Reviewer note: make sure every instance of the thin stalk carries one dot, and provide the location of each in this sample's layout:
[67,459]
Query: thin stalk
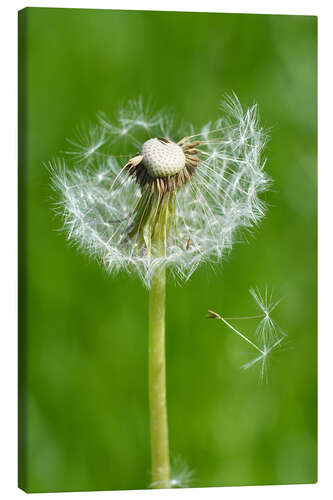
[157,383]
[241,335]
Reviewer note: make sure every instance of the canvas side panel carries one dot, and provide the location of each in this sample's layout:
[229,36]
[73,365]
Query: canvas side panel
[22,145]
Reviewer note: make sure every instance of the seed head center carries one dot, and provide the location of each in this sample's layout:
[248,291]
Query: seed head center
[162,157]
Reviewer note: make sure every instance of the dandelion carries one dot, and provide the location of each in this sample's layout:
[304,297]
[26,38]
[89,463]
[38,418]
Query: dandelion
[142,195]
[269,335]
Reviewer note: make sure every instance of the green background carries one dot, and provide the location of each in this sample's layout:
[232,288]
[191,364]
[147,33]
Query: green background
[83,335]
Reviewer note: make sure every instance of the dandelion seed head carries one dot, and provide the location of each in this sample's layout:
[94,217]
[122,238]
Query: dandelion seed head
[203,185]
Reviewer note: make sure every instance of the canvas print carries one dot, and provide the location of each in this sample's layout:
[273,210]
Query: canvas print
[167,260]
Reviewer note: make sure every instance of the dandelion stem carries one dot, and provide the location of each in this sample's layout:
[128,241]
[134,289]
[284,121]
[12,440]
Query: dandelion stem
[157,383]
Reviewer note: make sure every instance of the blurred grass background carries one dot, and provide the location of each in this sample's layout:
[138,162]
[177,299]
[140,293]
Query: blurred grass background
[83,335]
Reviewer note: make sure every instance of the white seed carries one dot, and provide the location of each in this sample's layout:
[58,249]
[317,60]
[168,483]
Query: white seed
[162,159]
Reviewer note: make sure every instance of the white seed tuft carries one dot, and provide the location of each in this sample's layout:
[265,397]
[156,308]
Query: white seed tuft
[99,198]
[270,336]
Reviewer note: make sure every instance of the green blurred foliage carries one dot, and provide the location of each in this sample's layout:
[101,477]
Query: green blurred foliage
[83,335]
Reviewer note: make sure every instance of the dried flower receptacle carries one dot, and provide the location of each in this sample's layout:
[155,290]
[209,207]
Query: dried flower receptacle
[160,170]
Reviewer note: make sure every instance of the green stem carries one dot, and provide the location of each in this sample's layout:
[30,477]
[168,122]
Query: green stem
[157,383]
